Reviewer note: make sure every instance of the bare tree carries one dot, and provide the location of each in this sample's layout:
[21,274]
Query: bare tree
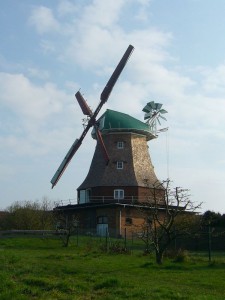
[66,225]
[167,218]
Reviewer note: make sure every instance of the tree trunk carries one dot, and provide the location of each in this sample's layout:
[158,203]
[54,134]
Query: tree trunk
[159,257]
[66,239]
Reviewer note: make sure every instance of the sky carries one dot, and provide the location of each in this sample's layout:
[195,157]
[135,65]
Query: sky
[51,49]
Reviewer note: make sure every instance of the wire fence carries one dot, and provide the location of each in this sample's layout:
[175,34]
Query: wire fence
[208,240]
[201,241]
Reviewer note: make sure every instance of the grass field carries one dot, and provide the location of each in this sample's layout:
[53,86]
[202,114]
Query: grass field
[34,268]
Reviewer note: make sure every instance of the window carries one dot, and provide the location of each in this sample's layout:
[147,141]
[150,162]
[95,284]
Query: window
[84,196]
[118,194]
[128,221]
[120,145]
[119,165]
[102,220]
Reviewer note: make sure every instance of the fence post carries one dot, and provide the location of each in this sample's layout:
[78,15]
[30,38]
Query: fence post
[77,234]
[147,239]
[106,239]
[125,238]
[209,241]
[175,240]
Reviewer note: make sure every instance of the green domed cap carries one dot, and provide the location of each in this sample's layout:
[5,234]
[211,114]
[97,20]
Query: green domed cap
[114,121]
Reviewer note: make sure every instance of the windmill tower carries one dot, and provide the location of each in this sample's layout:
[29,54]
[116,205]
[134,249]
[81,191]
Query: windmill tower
[128,176]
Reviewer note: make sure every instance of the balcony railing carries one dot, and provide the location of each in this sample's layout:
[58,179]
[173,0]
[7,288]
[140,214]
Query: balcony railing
[109,200]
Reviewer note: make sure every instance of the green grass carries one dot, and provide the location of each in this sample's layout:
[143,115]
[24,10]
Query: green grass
[33,268]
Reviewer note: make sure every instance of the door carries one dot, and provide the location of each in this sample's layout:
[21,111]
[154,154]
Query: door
[102,229]
[102,225]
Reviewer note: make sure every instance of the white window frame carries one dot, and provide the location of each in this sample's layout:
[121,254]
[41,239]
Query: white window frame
[118,194]
[119,165]
[120,145]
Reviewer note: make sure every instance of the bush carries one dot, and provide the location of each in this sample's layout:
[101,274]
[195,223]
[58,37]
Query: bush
[179,255]
[117,248]
[114,248]
[182,256]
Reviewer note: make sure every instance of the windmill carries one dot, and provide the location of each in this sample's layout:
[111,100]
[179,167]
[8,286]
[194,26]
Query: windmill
[153,114]
[91,117]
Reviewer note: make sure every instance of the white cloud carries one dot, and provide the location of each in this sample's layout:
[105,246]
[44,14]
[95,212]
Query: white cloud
[103,13]
[43,118]
[143,12]
[214,80]
[43,20]
[96,47]
[66,7]
[22,96]
[48,46]
[84,48]
[38,73]
[94,37]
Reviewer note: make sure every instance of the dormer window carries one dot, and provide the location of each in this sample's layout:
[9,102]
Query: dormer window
[120,145]
[119,165]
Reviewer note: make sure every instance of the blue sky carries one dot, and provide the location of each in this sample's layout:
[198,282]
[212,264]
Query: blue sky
[50,49]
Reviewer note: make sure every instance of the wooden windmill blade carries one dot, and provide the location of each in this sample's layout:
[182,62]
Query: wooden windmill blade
[92,117]
[65,162]
[83,104]
[103,147]
[87,111]
[113,79]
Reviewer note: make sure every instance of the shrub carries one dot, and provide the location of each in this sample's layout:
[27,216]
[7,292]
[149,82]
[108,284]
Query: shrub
[117,248]
[182,256]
